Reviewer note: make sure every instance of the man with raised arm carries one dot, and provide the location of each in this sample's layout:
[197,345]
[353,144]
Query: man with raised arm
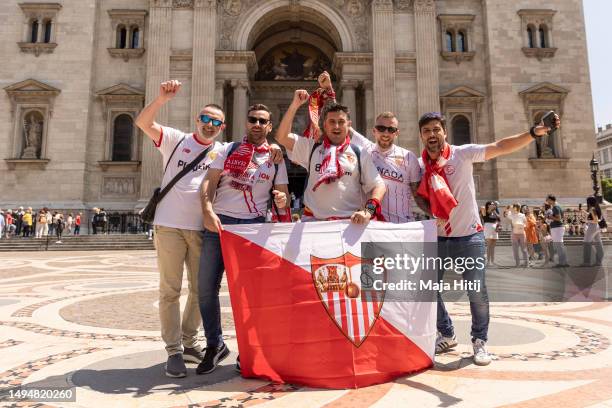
[178,223]
[343,182]
[448,185]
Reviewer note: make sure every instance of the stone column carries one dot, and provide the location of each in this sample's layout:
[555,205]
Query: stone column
[384,55]
[348,96]
[370,114]
[203,65]
[241,102]
[219,92]
[158,70]
[428,87]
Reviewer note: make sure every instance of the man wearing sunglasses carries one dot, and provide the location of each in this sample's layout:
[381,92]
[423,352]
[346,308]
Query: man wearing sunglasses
[236,190]
[398,167]
[178,223]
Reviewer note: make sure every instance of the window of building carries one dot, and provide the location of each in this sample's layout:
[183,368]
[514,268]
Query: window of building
[123,130]
[48,28]
[530,37]
[450,42]
[456,32]
[537,25]
[39,33]
[128,26]
[461,130]
[606,157]
[135,37]
[462,42]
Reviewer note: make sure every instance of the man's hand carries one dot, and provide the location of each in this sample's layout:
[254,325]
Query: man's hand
[276,153]
[169,89]
[361,217]
[325,81]
[542,130]
[280,199]
[212,222]
[300,97]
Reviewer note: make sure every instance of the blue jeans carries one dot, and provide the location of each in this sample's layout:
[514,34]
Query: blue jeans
[209,280]
[472,246]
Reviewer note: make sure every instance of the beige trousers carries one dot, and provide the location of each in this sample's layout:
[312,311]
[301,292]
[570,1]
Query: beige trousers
[176,248]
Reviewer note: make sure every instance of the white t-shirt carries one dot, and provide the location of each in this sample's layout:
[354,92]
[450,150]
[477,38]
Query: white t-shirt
[398,167]
[344,196]
[464,218]
[181,207]
[247,204]
[518,222]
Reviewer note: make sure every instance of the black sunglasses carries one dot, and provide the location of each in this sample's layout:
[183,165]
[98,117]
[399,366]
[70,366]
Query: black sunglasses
[383,129]
[253,120]
[207,119]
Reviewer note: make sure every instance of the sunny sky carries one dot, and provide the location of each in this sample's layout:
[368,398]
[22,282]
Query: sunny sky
[597,15]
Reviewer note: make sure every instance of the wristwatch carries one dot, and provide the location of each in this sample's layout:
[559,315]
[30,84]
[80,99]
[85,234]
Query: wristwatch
[371,207]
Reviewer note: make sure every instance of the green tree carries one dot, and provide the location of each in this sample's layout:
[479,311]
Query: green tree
[606,186]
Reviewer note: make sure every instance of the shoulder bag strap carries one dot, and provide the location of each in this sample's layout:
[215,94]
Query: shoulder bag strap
[183,172]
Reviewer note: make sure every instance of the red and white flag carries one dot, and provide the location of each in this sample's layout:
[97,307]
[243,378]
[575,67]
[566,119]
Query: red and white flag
[299,312]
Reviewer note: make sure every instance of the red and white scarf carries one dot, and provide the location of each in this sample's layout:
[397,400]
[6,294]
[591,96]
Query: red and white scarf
[240,166]
[316,102]
[331,170]
[434,187]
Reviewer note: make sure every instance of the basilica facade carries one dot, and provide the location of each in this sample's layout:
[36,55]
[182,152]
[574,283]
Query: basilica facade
[76,73]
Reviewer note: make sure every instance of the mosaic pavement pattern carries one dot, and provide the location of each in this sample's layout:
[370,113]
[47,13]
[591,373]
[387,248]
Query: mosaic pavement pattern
[89,321]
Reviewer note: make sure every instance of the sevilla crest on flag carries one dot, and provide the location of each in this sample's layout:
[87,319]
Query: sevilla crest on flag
[337,281]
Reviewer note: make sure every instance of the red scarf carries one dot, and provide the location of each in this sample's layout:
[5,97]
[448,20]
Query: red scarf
[331,170]
[316,101]
[238,164]
[434,187]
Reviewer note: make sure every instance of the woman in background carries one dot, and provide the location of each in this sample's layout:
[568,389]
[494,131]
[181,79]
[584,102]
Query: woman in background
[592,235]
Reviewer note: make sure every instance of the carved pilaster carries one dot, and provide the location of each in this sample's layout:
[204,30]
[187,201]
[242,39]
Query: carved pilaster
[384,52]
[241,102]
[158,70]
[203,63]
[427,56]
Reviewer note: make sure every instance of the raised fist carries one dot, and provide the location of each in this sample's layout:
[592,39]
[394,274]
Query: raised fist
[325,80]
[300,97]
[169,89]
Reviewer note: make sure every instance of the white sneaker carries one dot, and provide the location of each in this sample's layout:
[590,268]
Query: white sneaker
[481,356]
[444,344]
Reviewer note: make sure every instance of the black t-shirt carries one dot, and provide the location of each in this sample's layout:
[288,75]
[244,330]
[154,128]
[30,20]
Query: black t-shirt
[491,217]
[597,211]
[557,210]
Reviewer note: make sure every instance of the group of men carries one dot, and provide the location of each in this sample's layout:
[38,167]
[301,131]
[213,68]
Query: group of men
[349,177]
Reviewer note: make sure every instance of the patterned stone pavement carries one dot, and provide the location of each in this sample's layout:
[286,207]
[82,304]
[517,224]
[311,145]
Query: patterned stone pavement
[89,321]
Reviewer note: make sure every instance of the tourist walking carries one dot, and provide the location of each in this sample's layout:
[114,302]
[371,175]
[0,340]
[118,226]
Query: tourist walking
[592,234]
[518,222]
[491,220]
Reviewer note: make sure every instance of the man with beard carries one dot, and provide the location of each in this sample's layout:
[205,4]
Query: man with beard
[340,175]
[236,190]
[448,185]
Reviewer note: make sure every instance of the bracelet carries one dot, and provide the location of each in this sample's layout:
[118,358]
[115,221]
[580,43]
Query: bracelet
[372,206]
[532,132]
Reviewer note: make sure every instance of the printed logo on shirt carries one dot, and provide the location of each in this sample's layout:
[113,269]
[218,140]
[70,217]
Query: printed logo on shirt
[187,150]
[318,170]
[351,158]
[390,174]
[449,169]
[199,167]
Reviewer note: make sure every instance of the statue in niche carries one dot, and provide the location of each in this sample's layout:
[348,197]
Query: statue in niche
[545,145]
[33,128]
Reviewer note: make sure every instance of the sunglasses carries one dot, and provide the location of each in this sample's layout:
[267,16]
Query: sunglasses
[253,120]
[207,119]
[383,129]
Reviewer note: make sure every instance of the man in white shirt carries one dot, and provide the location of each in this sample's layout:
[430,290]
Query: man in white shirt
[236,190]
[178,223]
[340,175]
[398,167]
[448,184]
